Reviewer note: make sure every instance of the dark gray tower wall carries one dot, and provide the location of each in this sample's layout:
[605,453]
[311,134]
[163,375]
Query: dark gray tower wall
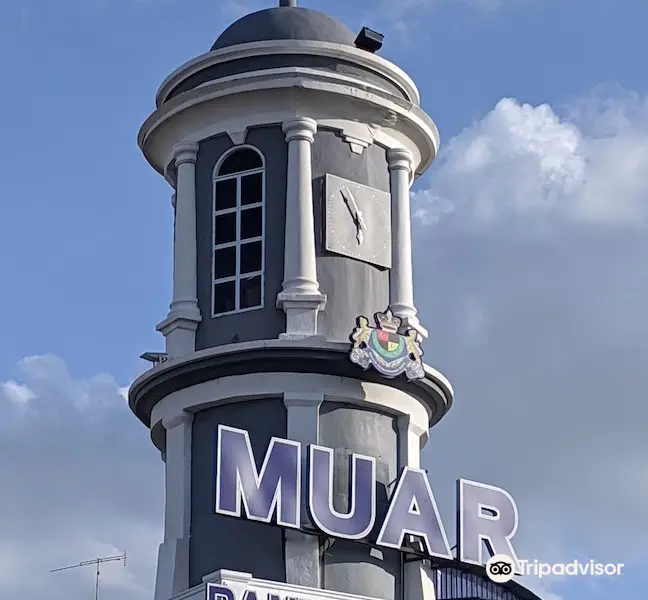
[221,542]
[353,287]
[348,566]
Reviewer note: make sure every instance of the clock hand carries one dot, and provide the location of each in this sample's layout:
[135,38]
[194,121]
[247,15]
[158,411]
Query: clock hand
[356,213]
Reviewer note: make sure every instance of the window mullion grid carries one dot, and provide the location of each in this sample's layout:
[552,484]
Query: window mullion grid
[239,174]
[238,242]
[237,302]
[263,233]
[213,252]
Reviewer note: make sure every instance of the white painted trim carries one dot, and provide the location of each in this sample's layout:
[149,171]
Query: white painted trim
[301,551]
[179,327]
[238,582]
[300,297]
[308,79]
[302,415]
[401,282]
[228,153]
[365,59]
[418,579]
[240,388]
[259,101]
[409,442]
[237,210]
[173,558]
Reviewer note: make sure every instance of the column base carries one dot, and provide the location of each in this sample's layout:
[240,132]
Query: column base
[179,330]
[301,313]
[172,568]
[419,581]
[302,554]
[409,320]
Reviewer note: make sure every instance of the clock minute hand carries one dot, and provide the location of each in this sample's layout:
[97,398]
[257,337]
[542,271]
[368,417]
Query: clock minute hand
[355,212]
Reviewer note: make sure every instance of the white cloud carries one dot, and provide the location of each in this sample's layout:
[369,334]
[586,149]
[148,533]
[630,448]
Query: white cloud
[81,480]
[16,392]
[590,166]
[533,286]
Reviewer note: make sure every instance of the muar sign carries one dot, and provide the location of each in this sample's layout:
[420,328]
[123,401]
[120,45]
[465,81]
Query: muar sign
[273,493]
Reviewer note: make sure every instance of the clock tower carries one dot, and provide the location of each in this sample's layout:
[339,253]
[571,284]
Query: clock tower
[291,146]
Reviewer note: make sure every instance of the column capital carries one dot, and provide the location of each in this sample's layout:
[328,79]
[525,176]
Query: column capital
[185,153]
[406,424]
[403,423]
[300,128]
[399,158]
[310,399]
[184,418]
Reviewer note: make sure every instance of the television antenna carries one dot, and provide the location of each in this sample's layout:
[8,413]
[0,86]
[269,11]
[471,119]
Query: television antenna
[97,562]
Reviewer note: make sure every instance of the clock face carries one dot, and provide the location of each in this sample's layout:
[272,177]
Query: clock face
[357,221]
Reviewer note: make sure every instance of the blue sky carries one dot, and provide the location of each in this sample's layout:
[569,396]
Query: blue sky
[534,217]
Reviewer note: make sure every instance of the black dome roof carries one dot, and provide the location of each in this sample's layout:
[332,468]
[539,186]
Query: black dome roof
[285,23]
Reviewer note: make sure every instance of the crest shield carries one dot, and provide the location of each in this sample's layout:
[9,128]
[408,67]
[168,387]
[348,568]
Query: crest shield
[390,351]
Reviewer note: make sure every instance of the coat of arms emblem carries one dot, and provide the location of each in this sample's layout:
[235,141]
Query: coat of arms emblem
[389,351]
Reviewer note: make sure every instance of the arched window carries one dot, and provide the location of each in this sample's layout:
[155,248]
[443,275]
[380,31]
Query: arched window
[238,232]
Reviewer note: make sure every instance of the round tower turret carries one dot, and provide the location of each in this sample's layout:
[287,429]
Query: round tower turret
[291,150]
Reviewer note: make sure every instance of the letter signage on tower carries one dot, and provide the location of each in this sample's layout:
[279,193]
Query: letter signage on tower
[272,494]
[359,521]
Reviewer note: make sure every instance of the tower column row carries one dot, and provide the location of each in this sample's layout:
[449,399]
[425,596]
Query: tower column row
[179,328]
[300,297]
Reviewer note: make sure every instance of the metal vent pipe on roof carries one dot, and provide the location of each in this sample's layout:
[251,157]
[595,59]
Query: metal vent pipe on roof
[287,2]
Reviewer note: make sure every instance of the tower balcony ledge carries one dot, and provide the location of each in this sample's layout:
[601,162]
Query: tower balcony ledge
[310,356]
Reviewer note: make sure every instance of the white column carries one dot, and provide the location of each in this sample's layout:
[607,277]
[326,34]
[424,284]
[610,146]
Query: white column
[300,297]
[179,328]
[173,556]
[418,577]
[401,288]
[301,551]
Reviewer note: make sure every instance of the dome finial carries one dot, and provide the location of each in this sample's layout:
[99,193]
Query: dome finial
[287,2]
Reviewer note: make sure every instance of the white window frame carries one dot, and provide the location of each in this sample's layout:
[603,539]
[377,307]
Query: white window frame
[237,277]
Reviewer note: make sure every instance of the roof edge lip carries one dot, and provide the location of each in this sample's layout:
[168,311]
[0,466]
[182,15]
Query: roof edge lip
[251,49]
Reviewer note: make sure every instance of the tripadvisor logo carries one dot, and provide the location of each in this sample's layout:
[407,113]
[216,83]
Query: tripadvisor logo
[501,568]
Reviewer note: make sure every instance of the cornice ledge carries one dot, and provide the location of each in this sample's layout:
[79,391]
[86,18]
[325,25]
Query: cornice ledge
[363,58]
[390,105]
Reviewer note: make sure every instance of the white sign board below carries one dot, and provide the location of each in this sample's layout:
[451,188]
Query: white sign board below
[232,585]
